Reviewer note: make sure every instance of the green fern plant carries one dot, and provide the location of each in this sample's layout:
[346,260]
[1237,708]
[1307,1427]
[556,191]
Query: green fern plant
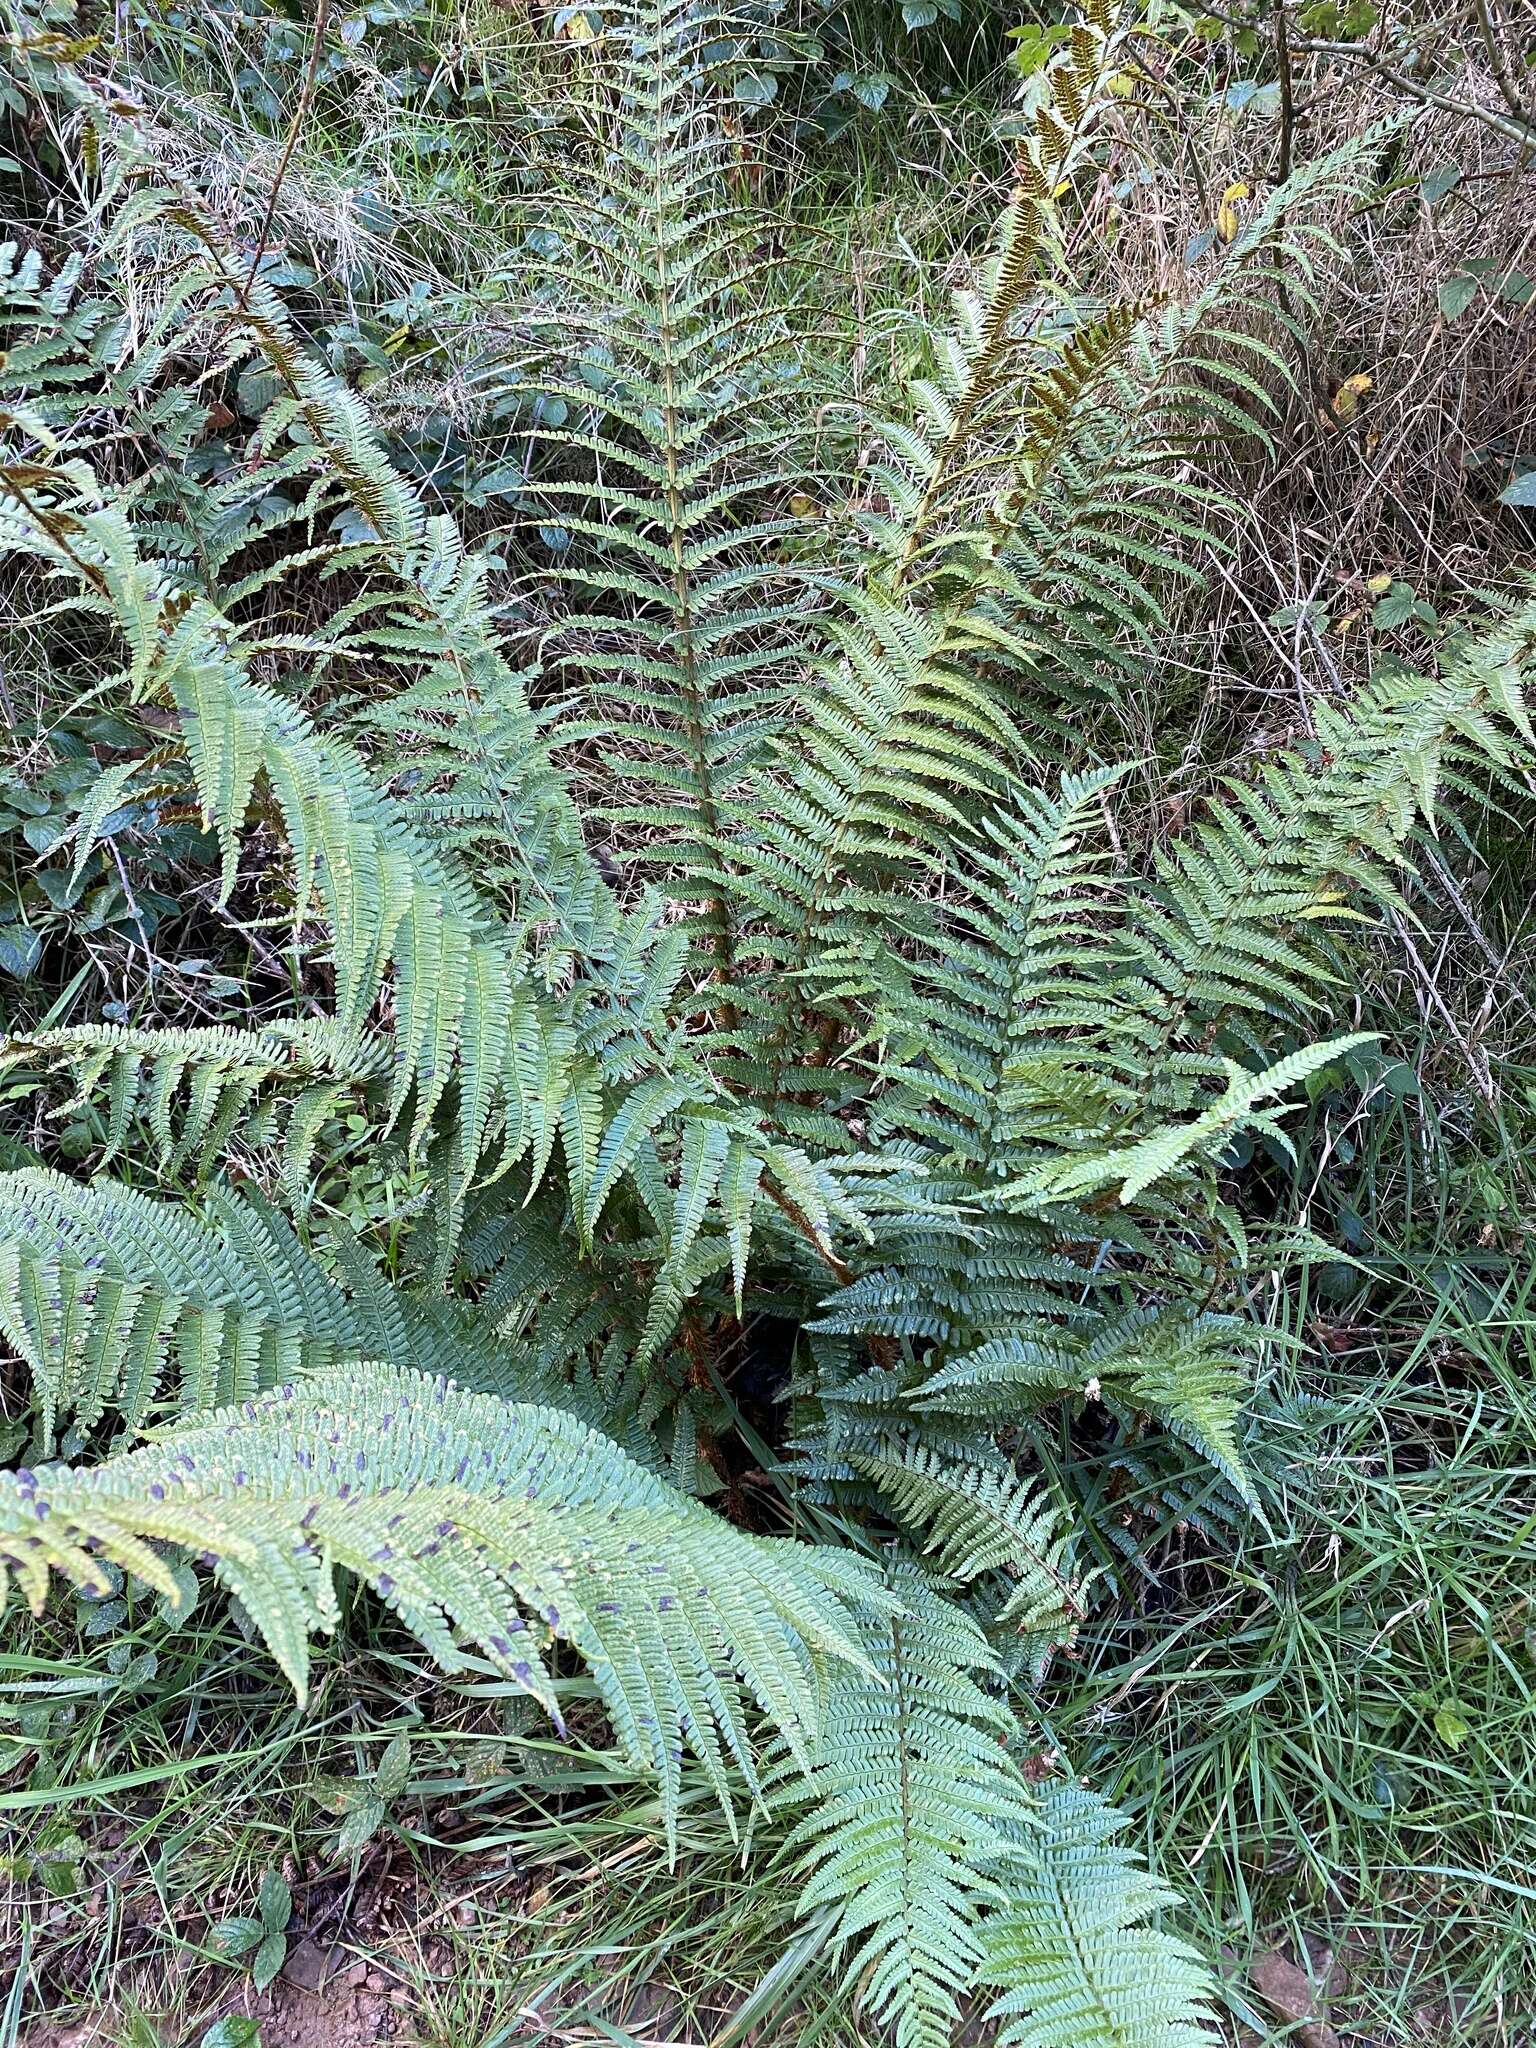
[855,997]
[914,1799]
[467,1515]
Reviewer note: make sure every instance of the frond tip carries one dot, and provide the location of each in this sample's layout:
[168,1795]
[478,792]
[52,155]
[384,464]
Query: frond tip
[486,1526]
[915,1803]
[1072,1955]
[949,1874]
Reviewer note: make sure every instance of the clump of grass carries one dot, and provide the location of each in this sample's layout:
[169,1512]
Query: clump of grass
[516,1881]
[1331,1731]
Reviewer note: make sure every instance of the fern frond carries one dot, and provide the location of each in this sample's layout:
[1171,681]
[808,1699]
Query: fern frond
[994,1026]
[1236,932]
[468,1011]
[979,1522]
[914,1802]
[1071,1953]
[486,1528]
[121,1303]
[683,414]
[1186,1366]
[196,1087]
[104,1290]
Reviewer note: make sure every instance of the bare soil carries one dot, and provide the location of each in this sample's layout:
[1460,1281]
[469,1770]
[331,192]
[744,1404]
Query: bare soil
[352,2006]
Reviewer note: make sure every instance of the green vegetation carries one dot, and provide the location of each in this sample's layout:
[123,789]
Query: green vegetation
[764,1099]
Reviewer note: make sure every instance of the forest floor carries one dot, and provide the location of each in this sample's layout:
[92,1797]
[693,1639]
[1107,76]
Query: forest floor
[457,1958]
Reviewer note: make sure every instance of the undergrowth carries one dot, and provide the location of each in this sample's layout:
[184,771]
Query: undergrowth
[724,1191]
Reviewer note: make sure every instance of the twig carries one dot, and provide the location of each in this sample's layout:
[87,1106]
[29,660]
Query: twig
[1516,128]
[802,1223]
[1519,131]
[53,525]
[1476,1059]
[1287,96]
[1500,69]
[1498,961]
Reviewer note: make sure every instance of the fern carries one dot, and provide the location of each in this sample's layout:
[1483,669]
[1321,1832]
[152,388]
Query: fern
[465,1516]
[471,1010]
[944,1870]
[980,1522]
[1058,1029]
[104,1290]
[1235,932]
[1071,1953]
[194,1089]
[739,914]
[668,375]
[914,1801]
[124,1305]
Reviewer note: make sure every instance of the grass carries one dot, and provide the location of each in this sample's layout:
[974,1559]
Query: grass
[1324,1717]
[516,1878]
[1328,1732]
[1327,1735]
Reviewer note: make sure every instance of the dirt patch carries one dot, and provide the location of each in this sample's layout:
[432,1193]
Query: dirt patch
[341,2014]
[333,2018]
[326,1997]
[336,1988]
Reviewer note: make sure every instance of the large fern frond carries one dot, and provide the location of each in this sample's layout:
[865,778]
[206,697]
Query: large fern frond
[1236,934]
[122,1305]
[194,1089]
[914,1799]
[667,415]
[946,1871]
[489,1529]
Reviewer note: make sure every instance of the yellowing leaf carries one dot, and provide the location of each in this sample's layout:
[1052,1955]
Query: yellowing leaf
[1451,1725]
[1227,218]
[1346,400]
[1378,586]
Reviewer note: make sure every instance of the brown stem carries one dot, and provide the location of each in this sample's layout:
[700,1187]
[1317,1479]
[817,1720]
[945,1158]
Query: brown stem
[1287,94]
[1500,69]
[290,143]
[797,1216]
[56,532]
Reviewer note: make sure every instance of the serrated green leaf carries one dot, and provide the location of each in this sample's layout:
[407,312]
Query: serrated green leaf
[268,1959]
[235,1936]
[274,1901]
[361,1825]
[394,1768]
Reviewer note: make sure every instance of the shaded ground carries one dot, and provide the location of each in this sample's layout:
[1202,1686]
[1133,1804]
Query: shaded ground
[347,2013]
[402,1991]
